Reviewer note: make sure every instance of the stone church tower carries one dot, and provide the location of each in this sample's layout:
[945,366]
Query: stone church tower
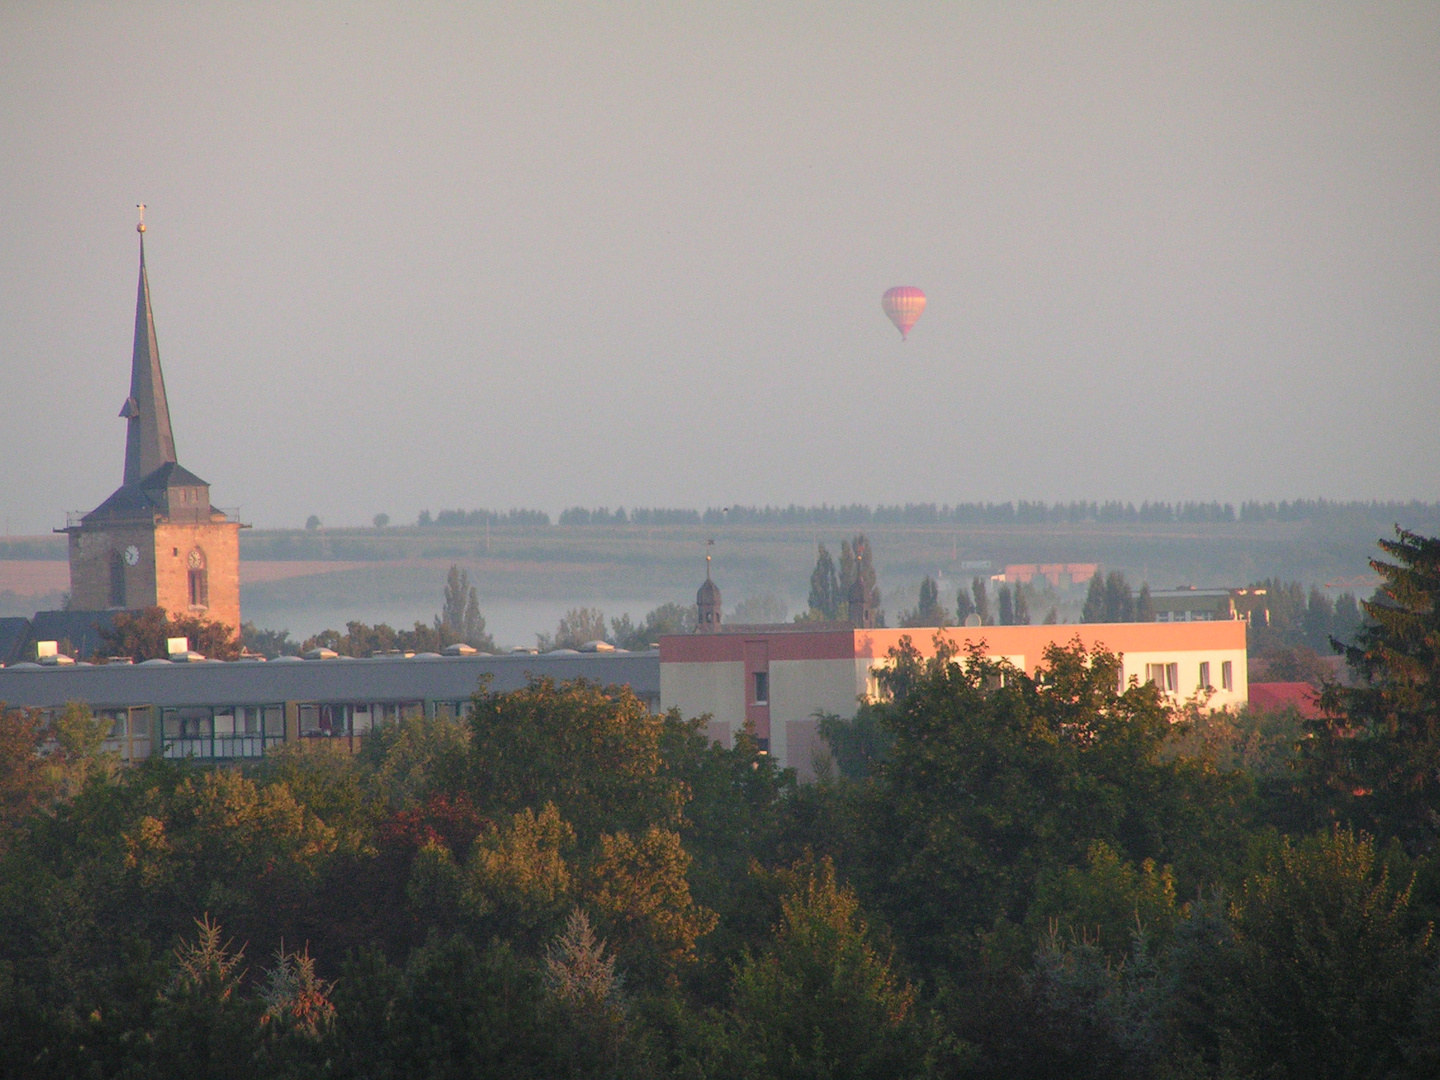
[156,540]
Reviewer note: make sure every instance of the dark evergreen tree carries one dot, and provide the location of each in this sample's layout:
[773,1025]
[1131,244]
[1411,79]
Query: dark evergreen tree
[1347,618]
[1006,606]
[1022,606]
[964,606]
[1377,747]
[1094,609]
[1144,606]
[1319,619]
[460,618]
[1119,603]
[928,612]
[982,600]
[848,566]
[826,597]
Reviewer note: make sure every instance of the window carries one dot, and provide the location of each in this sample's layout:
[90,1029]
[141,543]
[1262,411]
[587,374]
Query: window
[324,720]
[1227,675]
[199,580]
[1164,676]
[1204,675]
[360,719]
[117,579]
[762,687]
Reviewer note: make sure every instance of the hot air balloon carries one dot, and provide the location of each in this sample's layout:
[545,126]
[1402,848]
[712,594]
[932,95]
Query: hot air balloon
[903,304]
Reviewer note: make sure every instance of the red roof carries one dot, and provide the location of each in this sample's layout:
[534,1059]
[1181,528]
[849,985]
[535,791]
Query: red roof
[1272,696]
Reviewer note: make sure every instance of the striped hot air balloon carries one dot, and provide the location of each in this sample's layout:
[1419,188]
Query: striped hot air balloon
[903,304]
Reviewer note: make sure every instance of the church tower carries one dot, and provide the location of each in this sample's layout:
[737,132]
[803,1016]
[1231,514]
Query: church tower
[156,540]
[707,603]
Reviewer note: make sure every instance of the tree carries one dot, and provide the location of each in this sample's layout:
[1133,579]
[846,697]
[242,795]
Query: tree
[362,640]
[1347,618]
[44,761]
[1022,605]
[1327,966]
[1119,603]
[146,635]
[638,890]
[1094,608]
[204,1026]
[1144,605]
[821,1000]
[381,520]
[577,627]
[964,606]
[928,612]
[1106,902]
[764,609]
[1319,619]
[460,618]
[826,597]
[1377,746]
[1108,599]
[1006,605]
[982,600]
[1045,768]
[665,619]
[312,522]
[267,643]
[592,751]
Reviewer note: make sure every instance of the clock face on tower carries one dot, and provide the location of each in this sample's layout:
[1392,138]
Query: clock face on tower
[195,560]
[132,554]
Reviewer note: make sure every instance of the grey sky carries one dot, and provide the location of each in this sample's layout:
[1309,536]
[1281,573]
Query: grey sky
[540,255]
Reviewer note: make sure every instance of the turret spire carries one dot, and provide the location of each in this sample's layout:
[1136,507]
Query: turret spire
[149,442]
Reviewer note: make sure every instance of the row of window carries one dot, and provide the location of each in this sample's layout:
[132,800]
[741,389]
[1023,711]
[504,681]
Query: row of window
[1167,676]
[247,731]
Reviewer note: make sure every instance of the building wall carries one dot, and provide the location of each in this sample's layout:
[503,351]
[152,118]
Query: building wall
[829,671]
[800,688]
[162,574]
[220,541]
[90,552]
[714,688]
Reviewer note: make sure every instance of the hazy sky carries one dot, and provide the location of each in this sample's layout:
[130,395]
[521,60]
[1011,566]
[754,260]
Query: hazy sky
[539,255]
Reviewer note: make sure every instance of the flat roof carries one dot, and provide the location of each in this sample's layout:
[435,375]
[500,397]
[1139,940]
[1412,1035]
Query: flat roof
[378,679]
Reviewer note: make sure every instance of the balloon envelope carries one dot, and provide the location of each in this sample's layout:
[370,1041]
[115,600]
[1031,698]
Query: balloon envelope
[903,304]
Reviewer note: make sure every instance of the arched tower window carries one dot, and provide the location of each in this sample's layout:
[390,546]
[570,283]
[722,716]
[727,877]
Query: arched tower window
[199,579]
[117,580]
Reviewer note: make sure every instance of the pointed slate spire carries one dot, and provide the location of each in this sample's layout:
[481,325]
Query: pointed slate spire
[149,442]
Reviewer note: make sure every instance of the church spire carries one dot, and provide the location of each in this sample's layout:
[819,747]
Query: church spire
[149,442]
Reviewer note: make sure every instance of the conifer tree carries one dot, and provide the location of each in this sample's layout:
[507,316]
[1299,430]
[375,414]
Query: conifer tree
[1119,603]
[1022,606]
[982,600]
[1144,605]
[1377,749]
[1094,609]
[825,593]
[1007,606]
[964,606]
